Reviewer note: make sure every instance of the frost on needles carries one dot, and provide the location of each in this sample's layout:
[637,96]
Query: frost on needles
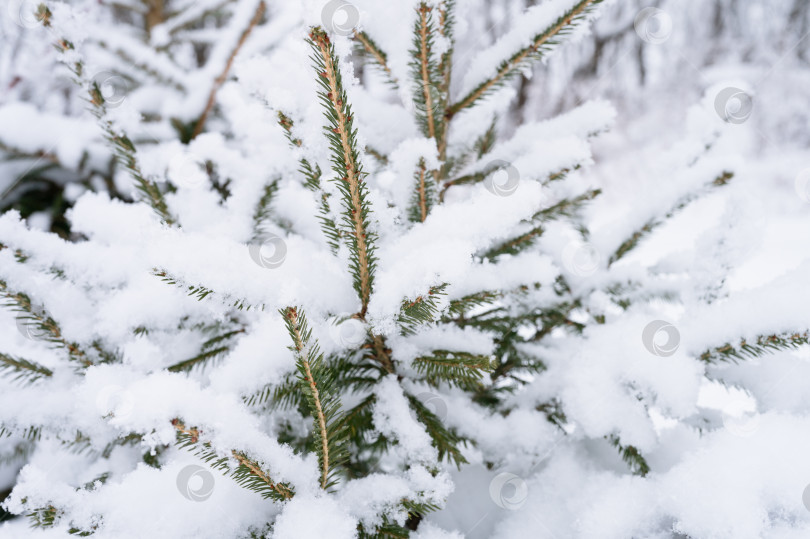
[357,300]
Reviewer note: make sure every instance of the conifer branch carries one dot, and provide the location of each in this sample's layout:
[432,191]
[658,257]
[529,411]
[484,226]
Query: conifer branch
[460,306]
[358,420]
[446,23]
[634,240]
[46,327]
[444,439]
[376,154]
[284,395]
[480,176]
[387,530]
[382,354]
[566,207]
[764,344]
[220,80]
[459,369]
[248,473]
[22,369]
[631,456]
[317,384]
[421,310]
[514,245]
[424,194]
[426,74]
[312,180]
[347,167]
[201,292]
[209,351]
[262,211]
[123,147]
[379,56]
[541,44]
[125,152]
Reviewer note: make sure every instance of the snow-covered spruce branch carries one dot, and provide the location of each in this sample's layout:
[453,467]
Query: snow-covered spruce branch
[541,44]
[247,473]
[318,385]
[460,331]
[374,51]
[349,175]
[41,323]
[22,369]
[122,146]
[763,344]
[200,123]
[312,180]
[633,241]
[426,75]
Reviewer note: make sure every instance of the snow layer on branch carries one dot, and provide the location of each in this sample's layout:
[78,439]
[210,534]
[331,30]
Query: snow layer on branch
[445,243]
[737,486]
[368,496]
[394,419]
[67,138]
[445,337]
[129,503]
[587,120]
[398,177]
[308,516]
[509,273]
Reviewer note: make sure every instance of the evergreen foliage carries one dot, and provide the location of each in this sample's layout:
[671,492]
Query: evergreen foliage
[358,390]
